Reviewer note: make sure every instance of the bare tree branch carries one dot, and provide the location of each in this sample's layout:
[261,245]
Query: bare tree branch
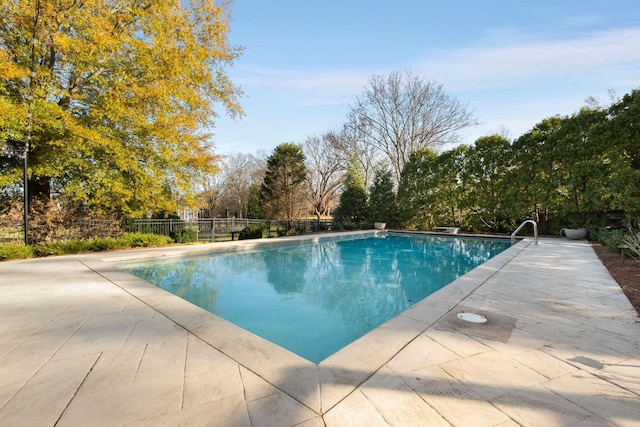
[325,171]
[400,113]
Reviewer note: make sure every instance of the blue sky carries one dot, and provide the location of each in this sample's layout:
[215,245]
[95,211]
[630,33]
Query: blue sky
[513,62]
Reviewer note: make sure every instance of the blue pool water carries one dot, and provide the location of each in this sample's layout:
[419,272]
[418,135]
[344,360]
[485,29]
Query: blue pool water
[315,297]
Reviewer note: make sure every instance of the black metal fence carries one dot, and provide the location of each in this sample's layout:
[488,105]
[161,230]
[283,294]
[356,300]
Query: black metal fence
[205,229]
[13,231]
[217,229]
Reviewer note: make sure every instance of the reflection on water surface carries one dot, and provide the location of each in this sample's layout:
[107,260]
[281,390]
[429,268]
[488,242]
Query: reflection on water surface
[316,297]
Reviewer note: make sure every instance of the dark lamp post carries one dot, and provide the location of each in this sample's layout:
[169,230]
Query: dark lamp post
[26,193]
[32,83]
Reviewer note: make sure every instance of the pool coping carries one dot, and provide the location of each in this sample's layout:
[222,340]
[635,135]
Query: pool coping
[317,386]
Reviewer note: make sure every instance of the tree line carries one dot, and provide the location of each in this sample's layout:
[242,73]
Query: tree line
[397,114]
[574,171]
[567,171]
[570,171]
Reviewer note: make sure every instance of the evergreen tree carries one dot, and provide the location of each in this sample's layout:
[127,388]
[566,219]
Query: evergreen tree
[254,206]
[486,176]
[282,193]
[352,209]
[382,199]
[623,133]
[417,190]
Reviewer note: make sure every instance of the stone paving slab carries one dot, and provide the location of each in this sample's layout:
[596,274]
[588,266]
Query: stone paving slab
[446,395]
[83,343]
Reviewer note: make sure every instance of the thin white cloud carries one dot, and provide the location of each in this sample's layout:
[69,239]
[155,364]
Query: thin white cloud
[611,55]
[502,65]
[304,80]
[306,88]
[581,21]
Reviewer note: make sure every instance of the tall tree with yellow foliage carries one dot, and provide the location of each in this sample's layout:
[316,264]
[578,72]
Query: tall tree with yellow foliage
[111,99]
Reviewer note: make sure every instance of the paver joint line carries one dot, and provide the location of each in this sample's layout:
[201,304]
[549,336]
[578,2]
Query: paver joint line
[77,389]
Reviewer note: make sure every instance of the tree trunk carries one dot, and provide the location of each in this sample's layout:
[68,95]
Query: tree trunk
[39,192]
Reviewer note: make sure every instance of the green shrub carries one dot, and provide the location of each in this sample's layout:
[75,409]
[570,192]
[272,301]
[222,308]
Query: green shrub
[49,250]
[15,251]
[251,232]
[608,237]
[184,235]
[74,246]
[98,244]
[66,247]
[145,240]
[319,226]
[345,225]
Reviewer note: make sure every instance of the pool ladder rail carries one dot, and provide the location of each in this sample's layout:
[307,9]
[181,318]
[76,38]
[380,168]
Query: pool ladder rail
[535,231]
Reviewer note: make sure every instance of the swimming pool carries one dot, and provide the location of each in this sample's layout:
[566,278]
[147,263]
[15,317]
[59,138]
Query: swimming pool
[315,297]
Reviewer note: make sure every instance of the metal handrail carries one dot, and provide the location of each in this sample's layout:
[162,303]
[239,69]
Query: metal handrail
[535,231]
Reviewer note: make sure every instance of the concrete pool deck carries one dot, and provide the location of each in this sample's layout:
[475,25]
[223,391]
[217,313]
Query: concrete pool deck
[84,343]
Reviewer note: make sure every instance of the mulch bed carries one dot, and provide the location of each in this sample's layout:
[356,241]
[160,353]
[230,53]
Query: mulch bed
[626,271]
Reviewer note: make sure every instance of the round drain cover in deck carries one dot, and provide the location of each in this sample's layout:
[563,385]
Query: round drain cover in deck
[472,317]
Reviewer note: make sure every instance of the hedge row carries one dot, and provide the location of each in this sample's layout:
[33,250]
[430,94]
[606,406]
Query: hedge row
[74,246]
